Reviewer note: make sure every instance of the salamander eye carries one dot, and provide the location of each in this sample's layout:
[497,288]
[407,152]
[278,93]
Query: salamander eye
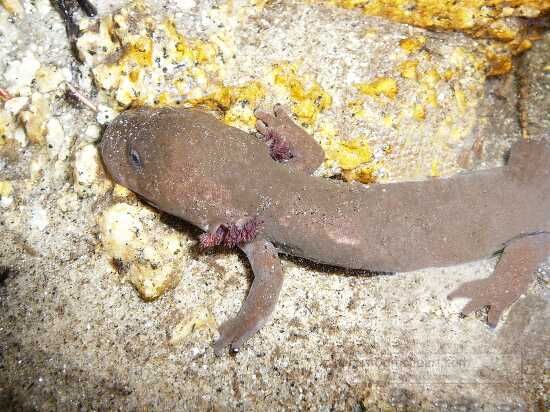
[135,159]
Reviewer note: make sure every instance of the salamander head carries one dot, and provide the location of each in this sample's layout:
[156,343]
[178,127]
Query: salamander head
[131,155]
[186,162]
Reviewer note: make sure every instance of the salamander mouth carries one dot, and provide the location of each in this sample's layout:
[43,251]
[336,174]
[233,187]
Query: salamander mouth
[112,164]
[104,153]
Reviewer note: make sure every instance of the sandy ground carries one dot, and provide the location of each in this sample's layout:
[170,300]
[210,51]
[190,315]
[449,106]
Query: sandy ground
[75,335]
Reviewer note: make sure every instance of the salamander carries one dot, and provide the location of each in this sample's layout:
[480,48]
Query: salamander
[257,193]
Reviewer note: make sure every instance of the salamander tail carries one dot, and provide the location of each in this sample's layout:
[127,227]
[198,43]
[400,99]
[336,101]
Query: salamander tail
[530,159]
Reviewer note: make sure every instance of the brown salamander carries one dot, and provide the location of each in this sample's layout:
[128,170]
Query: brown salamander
[265,201]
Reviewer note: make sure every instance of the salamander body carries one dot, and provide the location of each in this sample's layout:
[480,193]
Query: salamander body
[263,199]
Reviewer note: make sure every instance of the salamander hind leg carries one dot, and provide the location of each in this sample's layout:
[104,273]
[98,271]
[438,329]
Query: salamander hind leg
[511,278]
[261,300]
[288,142]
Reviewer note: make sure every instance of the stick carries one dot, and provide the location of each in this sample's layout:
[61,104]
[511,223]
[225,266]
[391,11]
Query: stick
[83,99]
[4,95]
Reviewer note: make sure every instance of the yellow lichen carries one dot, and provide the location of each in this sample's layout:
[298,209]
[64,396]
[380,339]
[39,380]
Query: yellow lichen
[356,107]
[237,102]
[6,194]
[407,69]
[418,111]
[140,51]
[448,74]
[327,130]
[412,44]
[435,169]
[307,96]
[447,91]
[380,86]
[205,52]
[431,97]
[6,188]
[219,99]
[121,191]
[244,99]
[353,157]
[429,81]
[348,154]
[524,45]
[431,77]
[13,6]
[460,98]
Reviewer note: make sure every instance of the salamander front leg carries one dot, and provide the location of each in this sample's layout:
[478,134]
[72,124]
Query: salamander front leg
[261,300]
[287,141]
[511,278]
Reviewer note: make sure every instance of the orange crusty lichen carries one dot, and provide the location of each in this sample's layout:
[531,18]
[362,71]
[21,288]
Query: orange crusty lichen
[481,18]
[498,63]
[491,19]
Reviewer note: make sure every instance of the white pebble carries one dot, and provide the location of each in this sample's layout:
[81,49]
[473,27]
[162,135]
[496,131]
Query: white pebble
[105,114]
[39,218]
[55,136]
[85,167]
[21,73]
[91,133]
[15,105]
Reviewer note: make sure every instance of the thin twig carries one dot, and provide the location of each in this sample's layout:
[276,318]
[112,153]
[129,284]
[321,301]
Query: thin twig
[4,95]
[83,99]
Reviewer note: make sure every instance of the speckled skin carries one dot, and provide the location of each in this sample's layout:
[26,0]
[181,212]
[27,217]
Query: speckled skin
[193,166]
